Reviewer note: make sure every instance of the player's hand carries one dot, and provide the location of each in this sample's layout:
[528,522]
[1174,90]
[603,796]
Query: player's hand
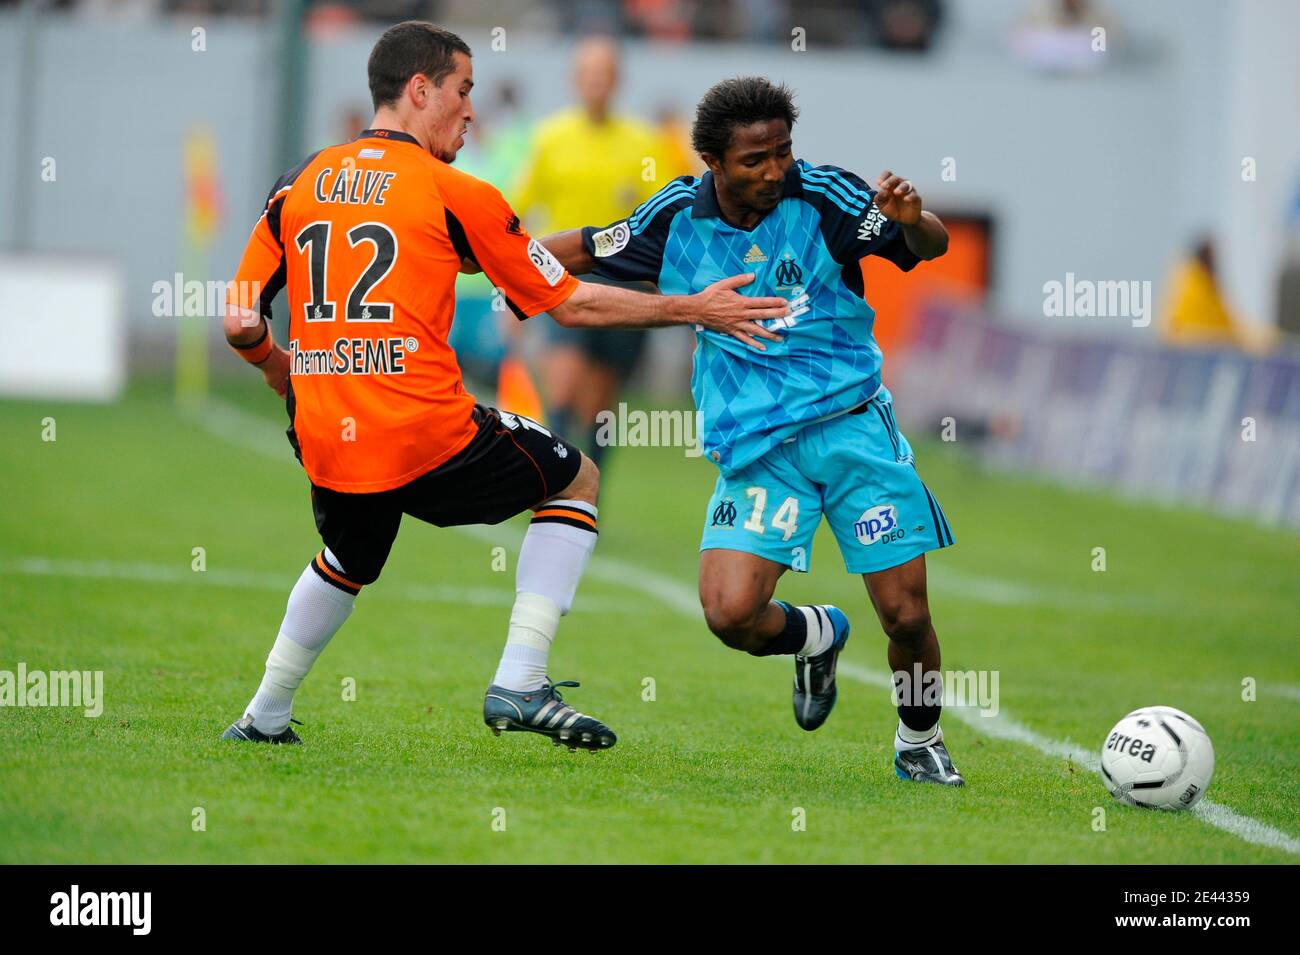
[897,199]
[722,309]
[275,369]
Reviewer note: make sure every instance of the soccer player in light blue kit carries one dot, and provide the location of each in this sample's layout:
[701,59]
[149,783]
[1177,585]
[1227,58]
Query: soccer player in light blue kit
[801,428]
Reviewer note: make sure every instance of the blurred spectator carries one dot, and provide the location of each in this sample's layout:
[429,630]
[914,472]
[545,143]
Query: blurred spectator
[588,166]
[761,21]
[1288,292]
[1195,312]
[502,137]
[905,25]
[241,8]
[119,11]
[660,19]
[354,121]
[679,157]
[579,17]
[1288,280]
[1064,36]
[485,334]
[330,18]
[326,17]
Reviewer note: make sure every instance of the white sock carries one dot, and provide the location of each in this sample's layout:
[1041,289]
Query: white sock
[820,632]
[559,541]
[533,623]
[554,555]
[907,738]
[315,612]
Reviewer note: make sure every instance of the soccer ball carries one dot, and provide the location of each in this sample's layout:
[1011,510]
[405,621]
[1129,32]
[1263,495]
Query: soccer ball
[1159,758]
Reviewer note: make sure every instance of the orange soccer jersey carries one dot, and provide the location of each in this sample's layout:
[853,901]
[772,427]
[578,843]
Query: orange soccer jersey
[368,237]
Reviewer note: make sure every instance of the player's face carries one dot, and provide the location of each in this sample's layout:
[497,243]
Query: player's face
[752,170]
[448,110]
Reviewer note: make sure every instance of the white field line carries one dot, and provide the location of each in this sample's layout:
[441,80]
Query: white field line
[672,593]
[667,590]
[258,434]
[1003,727]
[448,594]
[1006,593]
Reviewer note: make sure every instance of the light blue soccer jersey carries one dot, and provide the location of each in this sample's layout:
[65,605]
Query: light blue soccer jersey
[809,250]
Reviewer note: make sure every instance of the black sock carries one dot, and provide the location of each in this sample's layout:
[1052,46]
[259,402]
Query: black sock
[791,639]
[919,717]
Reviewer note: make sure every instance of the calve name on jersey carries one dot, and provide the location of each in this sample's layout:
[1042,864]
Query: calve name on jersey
[356,187]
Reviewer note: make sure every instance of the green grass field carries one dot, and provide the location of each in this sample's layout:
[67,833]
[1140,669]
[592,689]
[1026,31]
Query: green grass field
[97,533]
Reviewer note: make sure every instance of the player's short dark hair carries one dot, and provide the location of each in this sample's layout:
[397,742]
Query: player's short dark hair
[406,49]
[738,102]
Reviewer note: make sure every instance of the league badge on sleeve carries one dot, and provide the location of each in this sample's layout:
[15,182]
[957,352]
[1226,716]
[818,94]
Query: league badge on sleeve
[611,241]
[546,263]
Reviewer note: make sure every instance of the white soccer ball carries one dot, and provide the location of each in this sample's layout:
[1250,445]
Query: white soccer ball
[1157,757]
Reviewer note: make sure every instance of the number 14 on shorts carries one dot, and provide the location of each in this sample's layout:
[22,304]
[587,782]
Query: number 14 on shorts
[786,518]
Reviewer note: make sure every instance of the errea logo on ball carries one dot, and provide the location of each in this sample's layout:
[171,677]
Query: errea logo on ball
[879,523]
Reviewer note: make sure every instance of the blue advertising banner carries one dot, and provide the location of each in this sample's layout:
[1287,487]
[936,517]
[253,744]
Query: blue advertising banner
[1217,428]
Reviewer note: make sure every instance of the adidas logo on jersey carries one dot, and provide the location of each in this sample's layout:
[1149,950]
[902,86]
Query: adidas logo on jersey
[755,254]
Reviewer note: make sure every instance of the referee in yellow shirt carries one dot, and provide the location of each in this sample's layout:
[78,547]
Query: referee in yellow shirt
[587,165]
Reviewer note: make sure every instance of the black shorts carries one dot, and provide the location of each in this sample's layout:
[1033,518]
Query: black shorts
[511,464]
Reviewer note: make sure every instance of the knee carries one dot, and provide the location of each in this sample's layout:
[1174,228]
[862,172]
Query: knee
[354,571]
[733,620]
[586,485]
[906,621]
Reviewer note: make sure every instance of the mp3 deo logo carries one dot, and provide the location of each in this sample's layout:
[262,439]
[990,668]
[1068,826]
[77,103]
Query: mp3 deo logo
[879,523]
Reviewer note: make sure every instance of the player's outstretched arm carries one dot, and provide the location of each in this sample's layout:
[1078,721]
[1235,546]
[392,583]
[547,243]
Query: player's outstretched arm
[568,247]
[719,308]
[250,336]
[898,199]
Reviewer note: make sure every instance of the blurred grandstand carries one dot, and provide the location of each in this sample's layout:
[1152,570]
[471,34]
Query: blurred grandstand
[1065,143]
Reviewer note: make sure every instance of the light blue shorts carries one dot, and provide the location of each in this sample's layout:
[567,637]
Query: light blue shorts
[858,470]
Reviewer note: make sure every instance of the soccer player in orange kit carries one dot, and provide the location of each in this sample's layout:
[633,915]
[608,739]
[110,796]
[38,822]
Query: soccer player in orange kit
[367,237]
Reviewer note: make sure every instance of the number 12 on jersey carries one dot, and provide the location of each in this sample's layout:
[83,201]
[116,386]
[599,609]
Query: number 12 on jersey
[315,241]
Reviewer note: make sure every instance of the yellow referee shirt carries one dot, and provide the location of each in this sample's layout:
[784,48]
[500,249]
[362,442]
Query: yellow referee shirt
[583,173]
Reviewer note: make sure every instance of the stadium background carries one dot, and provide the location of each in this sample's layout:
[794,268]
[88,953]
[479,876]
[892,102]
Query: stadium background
[145,137]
